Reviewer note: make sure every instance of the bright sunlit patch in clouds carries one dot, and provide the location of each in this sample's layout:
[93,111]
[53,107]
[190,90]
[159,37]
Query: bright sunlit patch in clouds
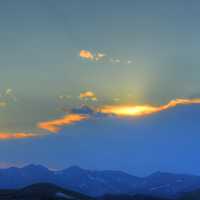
[88,95]
[141,110]
[124,110]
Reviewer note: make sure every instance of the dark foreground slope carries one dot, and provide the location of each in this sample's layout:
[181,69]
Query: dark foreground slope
[47,191]
[42,191]
[131,197]
[194,195]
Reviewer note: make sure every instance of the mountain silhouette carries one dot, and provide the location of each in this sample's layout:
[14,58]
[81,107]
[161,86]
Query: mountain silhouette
[99,183]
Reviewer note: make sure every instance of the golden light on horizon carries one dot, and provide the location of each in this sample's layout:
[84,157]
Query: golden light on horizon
[142,110]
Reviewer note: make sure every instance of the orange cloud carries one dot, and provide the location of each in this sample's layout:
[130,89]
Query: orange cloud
[88,95]
[90,56]
[86,54]
[141,110]
[8,136]
[55,125]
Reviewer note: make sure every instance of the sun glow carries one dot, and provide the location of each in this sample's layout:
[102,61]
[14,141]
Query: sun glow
[122,110]
[142,110]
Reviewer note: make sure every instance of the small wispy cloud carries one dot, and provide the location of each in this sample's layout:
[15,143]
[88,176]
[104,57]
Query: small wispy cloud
[7,96]
[9,136]
[115,60]
[88,95]
[65,97]
[129,62]
[9,93]
[99,56]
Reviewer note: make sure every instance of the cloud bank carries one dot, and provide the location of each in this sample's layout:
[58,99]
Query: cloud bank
[85,112]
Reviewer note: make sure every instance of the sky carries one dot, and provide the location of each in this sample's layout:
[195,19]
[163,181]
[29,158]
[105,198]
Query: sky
[104,84]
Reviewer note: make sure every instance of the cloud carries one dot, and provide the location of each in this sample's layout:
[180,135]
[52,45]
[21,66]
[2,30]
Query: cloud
[9,93]
[9,136]
[91,56]
[99,56]
[65,97]
[129,62]
[88,95]
[142,110]
[55,125]
[6,96]
[85,112]
[115,60]
[86,54]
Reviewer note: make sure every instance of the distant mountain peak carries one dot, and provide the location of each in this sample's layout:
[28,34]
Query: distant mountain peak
[35,167]
[74,167]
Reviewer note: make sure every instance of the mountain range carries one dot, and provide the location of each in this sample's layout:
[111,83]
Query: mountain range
[100,183]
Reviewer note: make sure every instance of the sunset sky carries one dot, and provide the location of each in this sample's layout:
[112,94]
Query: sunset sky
[100,84]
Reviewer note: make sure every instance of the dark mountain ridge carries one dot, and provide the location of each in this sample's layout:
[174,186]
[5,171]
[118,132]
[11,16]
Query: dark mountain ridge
[42,191]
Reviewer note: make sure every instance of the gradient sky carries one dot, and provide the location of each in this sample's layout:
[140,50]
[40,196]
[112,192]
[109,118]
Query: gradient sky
[56,56]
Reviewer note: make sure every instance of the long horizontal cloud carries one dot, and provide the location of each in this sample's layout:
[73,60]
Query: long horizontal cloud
[141,110]
[55,125]
[7,136]
[84,113]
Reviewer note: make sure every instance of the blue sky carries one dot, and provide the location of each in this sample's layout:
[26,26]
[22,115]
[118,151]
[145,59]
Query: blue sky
[140,53]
